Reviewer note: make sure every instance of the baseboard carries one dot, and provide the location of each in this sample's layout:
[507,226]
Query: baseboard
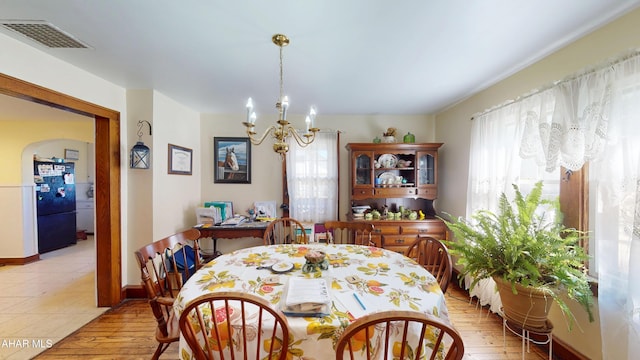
[20,261]
[134,292]
[561,350]
[564,351]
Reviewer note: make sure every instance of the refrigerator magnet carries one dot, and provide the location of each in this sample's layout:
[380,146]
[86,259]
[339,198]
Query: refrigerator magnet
[69,179]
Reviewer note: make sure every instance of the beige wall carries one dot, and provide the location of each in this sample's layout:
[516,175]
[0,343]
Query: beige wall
[266,182]
[453,128]
[160,203]
[29,64]
[171,197]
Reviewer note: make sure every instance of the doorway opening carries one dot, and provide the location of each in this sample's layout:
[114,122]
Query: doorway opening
[107,179]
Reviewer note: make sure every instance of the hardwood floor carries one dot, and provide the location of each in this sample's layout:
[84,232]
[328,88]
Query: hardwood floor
[127,332]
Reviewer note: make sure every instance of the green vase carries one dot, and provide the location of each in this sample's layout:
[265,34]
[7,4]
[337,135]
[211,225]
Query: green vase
[409,138]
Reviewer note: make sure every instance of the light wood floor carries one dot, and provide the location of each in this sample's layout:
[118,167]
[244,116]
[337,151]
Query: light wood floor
[43,302]
[127,332]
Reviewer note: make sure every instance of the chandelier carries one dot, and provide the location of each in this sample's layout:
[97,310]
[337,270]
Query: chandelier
[283,129]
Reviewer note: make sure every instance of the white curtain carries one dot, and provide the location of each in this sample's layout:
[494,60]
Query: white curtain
[572,129]
[312,178]
[616,230]
[496,162]
[594,116]
[499,148]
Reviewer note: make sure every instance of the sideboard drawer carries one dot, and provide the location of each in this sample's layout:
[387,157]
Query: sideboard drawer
[362,193]
[429,193]
[386,229]
[397,192]
[436,229]
[398,240]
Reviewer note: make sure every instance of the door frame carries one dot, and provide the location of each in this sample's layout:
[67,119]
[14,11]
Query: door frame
[107,179]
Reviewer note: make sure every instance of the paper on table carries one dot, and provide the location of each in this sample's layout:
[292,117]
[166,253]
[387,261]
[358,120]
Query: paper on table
[303,291]
[350,304]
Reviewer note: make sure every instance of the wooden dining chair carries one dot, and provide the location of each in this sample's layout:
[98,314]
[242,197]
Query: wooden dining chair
[285,231]
[226,322]
[434,256]
[391,335]
[163,276]
[349,232]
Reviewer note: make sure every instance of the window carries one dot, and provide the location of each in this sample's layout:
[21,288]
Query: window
[593,131]
[312,178]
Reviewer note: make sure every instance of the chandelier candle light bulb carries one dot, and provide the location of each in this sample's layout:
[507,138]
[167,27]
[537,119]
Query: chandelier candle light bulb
[285,106]
[251,116]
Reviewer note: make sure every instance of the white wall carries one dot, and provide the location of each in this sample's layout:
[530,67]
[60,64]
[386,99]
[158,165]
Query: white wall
[454,125]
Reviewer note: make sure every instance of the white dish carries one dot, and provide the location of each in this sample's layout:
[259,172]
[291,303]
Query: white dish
[282,267]
[360,209]
[387,178]
[388,160]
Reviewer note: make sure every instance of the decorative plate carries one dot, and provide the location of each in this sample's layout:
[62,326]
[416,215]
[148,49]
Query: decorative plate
[282,267]
[388,161]
[387,178]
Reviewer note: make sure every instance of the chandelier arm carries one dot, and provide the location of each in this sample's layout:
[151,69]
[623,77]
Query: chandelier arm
[302,140]
[258,141]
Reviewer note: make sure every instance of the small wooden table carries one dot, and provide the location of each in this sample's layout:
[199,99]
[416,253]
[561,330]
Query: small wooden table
[248,229]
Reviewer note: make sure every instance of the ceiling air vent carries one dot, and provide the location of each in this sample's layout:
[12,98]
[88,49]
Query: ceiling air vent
[44,33]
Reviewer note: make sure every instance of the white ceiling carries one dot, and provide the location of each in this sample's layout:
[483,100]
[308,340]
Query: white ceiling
[345,56]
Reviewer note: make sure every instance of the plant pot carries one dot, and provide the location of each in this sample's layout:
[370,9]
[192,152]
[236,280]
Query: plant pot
[528,308]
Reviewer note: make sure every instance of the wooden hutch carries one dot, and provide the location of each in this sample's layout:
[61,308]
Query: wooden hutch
[381,178]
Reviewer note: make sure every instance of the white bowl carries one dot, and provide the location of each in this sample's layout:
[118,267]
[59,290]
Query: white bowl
[360,209]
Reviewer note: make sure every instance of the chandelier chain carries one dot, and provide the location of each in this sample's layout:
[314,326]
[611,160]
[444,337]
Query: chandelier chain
[281,76]
[282,129]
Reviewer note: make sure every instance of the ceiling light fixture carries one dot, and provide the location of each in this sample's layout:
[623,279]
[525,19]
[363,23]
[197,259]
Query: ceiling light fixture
[283,129]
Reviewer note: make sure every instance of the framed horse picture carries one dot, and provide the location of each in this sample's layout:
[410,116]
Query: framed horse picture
[231,160]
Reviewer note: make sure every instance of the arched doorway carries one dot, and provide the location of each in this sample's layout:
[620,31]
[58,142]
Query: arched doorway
[107,179]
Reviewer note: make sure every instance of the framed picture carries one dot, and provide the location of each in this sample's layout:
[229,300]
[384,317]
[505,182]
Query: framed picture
[232,160]
[180,160]
[71,154]
[265,209]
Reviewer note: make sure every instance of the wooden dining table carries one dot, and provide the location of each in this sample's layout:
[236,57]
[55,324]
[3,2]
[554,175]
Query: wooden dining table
[361,280]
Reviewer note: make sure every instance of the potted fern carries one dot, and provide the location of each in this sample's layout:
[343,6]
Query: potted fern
[522,251]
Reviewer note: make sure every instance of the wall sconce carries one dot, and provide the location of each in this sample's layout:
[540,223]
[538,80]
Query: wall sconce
[140,153]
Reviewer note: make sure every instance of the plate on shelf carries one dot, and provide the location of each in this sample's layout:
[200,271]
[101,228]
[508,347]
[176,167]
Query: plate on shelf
[388,160]
[387,178]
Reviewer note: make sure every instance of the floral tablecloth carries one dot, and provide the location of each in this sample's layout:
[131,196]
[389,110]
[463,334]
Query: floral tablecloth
[381,279]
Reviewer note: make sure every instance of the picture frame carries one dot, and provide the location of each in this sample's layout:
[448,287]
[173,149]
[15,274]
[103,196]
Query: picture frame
[231,160]
[180,160]
[71,154]
[266,209]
